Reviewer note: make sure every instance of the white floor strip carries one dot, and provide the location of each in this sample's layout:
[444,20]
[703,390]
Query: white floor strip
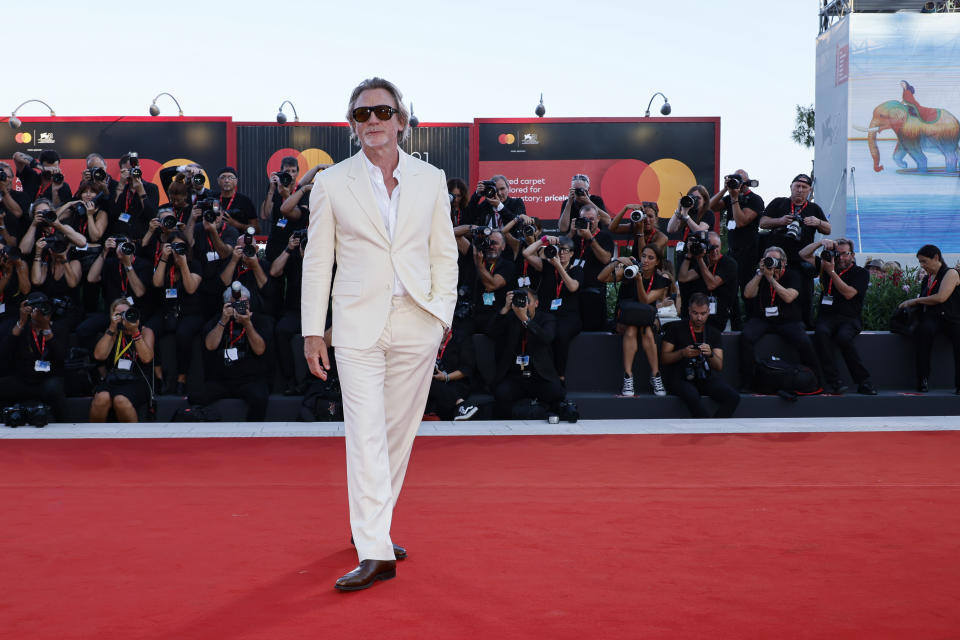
[484,428]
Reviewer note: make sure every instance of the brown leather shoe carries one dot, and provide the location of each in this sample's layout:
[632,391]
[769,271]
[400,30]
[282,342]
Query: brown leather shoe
[398,552]
[366,574]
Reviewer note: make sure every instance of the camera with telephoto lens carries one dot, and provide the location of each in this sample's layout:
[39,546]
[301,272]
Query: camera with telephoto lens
[489,189]
[55,176]
[697,369]
[79,208]
[550,251]
[581,223]
[481,238]
[636,215]
[697,244]
[284,178]
[827,255]
[579,192]
[631,271]
[249,246]
[3,175]
[132,315]
[179,248]
[520,298]
[40,303]
[686,202]
[793,228]
[771,263]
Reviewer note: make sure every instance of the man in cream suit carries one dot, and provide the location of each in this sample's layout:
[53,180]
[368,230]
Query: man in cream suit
[384,218]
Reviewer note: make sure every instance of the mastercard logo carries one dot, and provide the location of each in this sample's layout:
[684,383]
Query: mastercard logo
[23,138]
[662,181]
[506,138]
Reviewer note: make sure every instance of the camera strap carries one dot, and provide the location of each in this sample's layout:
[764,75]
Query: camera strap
[694,335]
[219,233]
[773,296]
[41,345]
[830,284]
[583,243]
[127,198]
[43,189]
[230,339]
[649,286]
[443,347]
[793,210]
[229,204]
[560,282]
[117,352]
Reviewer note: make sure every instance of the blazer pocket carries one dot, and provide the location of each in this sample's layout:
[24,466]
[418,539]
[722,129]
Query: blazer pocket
[346,287]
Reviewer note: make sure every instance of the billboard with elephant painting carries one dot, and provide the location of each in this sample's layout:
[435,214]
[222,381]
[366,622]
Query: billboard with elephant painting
[902,77]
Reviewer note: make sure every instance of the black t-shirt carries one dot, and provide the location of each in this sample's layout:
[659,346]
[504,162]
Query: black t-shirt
[576,206]
[726,294]
[950,308]
[767,297]
[131,214]
[457,354]
[58,287]
[248,365]
[30,347]
[583,256]
[282,227]
[292,281]
[115,283]
[239,206]
[261,298]
[628,288]
[744,238]
[681,335]
[780,207]
[547,292]
[836,304]
[172,292]
[484,300]
[33,186]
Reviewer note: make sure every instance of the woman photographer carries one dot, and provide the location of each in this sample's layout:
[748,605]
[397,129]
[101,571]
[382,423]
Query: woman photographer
[127,351]
[88,215]
[644,231]
[459,196]
[57,274]
[558,292]
[939,305]
[642,288]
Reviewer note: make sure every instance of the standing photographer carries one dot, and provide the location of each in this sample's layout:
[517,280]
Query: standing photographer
[212,249]
[692,357]
[579,197]
[44,223]
[247,268]
[843,287]
[743,208]
[492,205]
[592,250]
[58,275]
[287,271]
[794,222]
[12,205]
[643,224]
[239,209]
[127,352]
[42,179]
[708,271]
[136,200]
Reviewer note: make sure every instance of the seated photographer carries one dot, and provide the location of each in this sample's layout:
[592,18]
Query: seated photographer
[643,224]
[579,197]
[642,287]
[135,201]
[743,208]
[35,350]
[524,344]
[45,222]
[558,292]
[692,357]
[245,267]
[14,287]
[289,266]
[451,375]
[176,280]
[493,271]
[519,234]
[843,286]
[592,249]
[240,210]
[706,270]
[772,307]
[235,361]
[939,304]
[127,351]
[794,222]
[491,204]
[58,275]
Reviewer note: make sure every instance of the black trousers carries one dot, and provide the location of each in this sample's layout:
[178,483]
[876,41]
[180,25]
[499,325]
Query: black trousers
[185,329]
[287,327]
[254,392]
[515,387]
[792,333]
[568,328]
[839,332]
[593,309]
[444,395]
[930,325]
[714,387]
[48,390]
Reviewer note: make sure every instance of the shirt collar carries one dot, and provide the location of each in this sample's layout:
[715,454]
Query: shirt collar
[374,170]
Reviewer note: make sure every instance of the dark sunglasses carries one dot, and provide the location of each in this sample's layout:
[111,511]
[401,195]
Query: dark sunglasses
[384,112]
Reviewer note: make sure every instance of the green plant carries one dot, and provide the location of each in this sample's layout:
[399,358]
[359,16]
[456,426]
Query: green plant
[805,124]
[886,291]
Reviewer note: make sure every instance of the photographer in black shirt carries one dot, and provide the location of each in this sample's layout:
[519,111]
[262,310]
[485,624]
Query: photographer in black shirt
[692,358]
[592,250]
[772,307]
[193,176]
[96,172]
[493,273]
[286,209]
[14,287]
[843,286]
[136,200]
[246,267]
[46,222]
[57,273]
[126,349]
[706,270]
[451,374]
[459,199]
[578,198]
[794,222]
[491,204]
[521,233]
[212,249]
[42,178]
[239,209]
[743,208]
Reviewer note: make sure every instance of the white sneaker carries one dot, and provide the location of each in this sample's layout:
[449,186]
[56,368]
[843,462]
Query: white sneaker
[627,387]
[657,383]
[465,412]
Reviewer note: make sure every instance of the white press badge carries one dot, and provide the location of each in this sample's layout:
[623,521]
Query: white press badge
[772,312]
[3,307]
[42,366]
[555,304]
[282,223]
[713,305]
[129,300]
[680,246]
[523,361]
[212,256]
[171,294]
[124,217]
[523,281]
[231,354]
[827,300]
[124,364]
[579,262]
[731,224]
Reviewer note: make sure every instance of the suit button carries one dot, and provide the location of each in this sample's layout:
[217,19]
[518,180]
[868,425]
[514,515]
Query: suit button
[386,286]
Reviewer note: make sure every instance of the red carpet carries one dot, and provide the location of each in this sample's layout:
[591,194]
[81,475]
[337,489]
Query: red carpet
[853,535]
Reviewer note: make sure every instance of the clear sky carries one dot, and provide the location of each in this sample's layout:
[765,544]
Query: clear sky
[749,63]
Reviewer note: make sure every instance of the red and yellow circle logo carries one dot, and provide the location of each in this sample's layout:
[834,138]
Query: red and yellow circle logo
[662,181]
[506,138]
[23,138]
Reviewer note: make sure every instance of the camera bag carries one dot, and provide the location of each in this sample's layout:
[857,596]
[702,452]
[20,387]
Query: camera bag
[787,379]
[634,313]
[905,321]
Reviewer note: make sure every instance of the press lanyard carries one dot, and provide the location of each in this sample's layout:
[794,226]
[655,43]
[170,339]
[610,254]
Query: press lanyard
[229,204]
[792,208]
[560,282]
[583,245]
[41,346]
[773,295]
[649,286]
[693,335]
[117,353]
[231,340]
[219,233]
[830,284]
[443,347]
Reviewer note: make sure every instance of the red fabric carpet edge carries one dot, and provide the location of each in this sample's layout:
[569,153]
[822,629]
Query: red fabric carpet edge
[826,535]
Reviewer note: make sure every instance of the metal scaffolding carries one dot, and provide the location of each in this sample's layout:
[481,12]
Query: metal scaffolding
[831,11]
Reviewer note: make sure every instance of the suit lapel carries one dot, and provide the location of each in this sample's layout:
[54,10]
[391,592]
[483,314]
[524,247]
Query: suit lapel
[409,187]
[361,189]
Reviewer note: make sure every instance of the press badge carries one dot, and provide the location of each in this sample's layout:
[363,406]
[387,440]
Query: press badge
[827,300]
[772,312]
[231,354]
[523,281]
[713,305]
[282,223]
[680,246]
[124,217]
[43,366]
[523,361]
[555,304]
[212,256]
[731,224]
[3,307]
[129,300]
[171,293]
[579,262]
[488,299]
[124,365]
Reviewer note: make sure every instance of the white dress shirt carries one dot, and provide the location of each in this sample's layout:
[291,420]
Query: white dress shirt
[387,204]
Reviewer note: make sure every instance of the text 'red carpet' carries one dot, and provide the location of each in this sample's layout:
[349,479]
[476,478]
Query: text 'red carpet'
[819,535]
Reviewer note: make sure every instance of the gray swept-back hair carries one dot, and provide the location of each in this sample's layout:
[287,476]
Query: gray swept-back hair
[379,83]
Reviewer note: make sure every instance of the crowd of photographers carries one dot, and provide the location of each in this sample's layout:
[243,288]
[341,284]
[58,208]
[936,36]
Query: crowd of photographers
[92,278]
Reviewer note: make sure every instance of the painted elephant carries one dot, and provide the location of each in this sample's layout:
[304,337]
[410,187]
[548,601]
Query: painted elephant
[914,135]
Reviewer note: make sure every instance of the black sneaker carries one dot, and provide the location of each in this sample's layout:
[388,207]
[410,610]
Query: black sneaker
[465,412]
[838,388]
[866,388]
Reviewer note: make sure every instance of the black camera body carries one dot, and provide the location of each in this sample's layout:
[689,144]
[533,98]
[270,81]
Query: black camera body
[489,189]
[132,315]
[481,238]
[827,255]
[57,244]
[300,234]
[49,216]
[79,209]
[124,246]
[581,223]
[686,202]
[57,178]
[550,251]
[210,208]
[3,175]
[40,302]
[520,298]
[134,158]
[168,222]
[240,306]
[697,369]
[198,180]
[179,248]
[136,172]
[98,174]
[772,263]
[249,245]
[284,178]
[696,244]
[11,253]
[793,228]
[19,414]
[579,192]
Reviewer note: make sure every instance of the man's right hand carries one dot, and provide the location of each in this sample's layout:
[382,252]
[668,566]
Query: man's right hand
[315,351]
